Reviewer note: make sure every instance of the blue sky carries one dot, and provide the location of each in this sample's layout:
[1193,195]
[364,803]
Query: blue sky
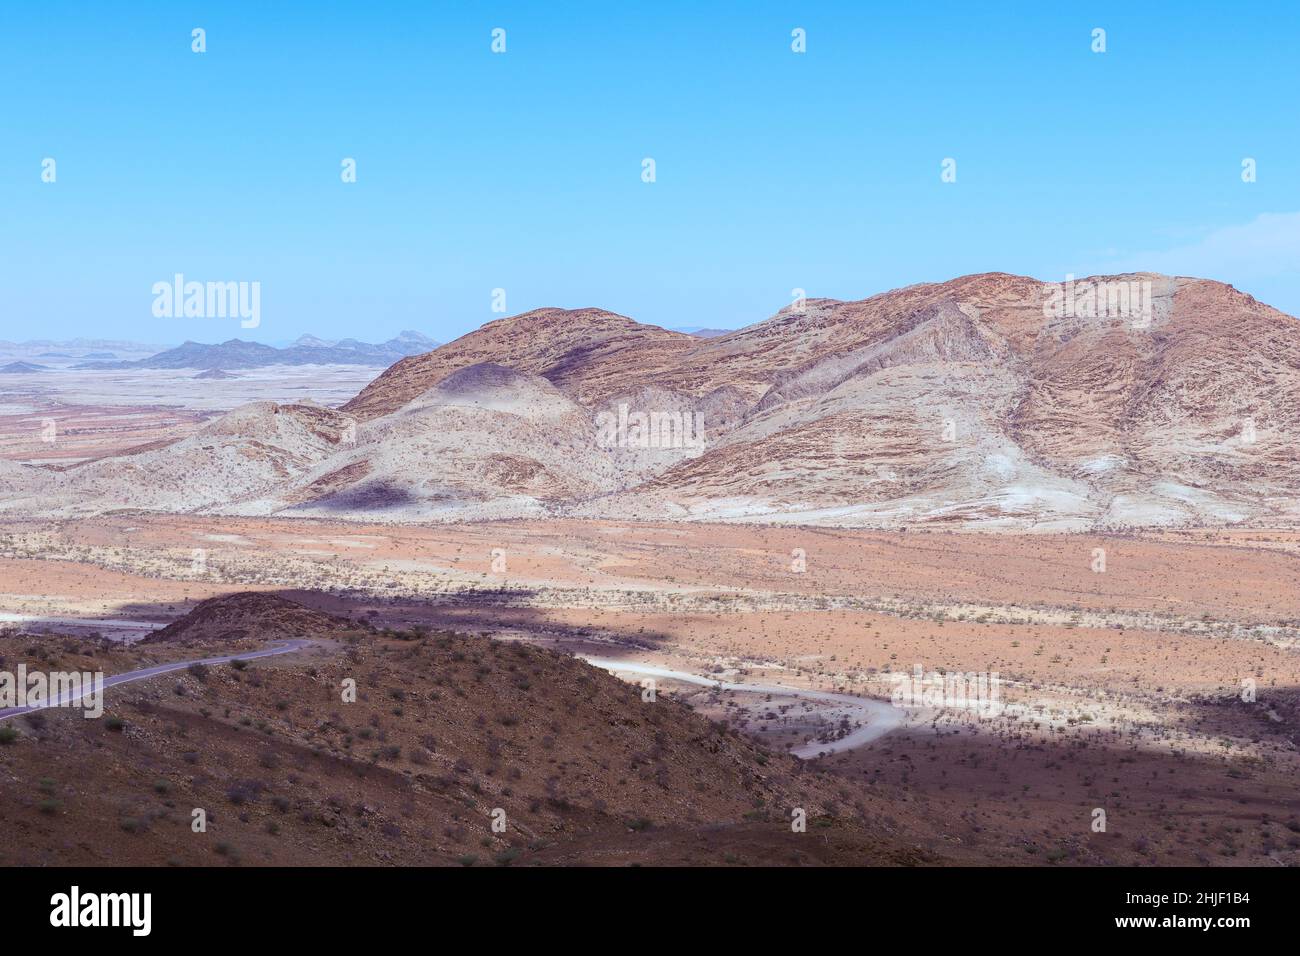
[522,171]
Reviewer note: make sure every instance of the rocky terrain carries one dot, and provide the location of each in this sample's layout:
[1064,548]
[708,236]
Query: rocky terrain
[457,750]
[252,615]
[976,403]
[1123,691]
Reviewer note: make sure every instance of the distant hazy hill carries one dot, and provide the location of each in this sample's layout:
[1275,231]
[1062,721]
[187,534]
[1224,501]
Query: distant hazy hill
[81,344]
[21,368]
[64,354]
[702,333]
[308,350]
[311,342]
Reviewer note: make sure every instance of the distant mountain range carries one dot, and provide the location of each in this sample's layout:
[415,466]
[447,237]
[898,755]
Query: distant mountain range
[307,350]
[700,332]
[65,354]
[80,345]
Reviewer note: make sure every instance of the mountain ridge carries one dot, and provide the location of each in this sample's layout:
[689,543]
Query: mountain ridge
[989,401]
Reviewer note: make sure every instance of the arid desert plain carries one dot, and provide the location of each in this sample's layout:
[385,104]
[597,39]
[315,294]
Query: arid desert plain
[1121,690]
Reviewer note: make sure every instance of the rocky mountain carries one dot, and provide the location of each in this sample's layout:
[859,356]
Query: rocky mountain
[236,457]
[589,353]
[989,401]
[486,441]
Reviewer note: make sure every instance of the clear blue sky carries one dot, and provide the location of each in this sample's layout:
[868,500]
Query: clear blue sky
[523,170]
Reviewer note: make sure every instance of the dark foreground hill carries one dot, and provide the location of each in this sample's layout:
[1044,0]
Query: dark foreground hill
[446,734]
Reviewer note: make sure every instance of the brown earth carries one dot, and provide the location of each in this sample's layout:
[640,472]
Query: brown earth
[1124,689]
[247,615]
[446,731]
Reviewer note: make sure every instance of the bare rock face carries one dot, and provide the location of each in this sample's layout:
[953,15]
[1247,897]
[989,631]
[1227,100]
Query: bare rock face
[989,401]
[977,403]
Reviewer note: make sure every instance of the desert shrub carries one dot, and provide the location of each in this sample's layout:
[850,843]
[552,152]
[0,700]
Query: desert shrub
[244,791]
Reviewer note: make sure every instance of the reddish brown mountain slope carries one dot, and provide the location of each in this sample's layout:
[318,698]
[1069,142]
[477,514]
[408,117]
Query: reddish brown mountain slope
[590,353]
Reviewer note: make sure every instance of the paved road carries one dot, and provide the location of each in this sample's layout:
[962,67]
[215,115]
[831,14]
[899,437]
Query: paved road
[879,716]
[280,647]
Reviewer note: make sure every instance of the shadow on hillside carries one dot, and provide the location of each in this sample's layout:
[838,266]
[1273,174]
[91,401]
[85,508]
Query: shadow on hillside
[496,612]
[1000,794]
[374,496]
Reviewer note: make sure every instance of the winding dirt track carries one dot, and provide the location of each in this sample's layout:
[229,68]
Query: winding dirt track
[72,697]
[878,717]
